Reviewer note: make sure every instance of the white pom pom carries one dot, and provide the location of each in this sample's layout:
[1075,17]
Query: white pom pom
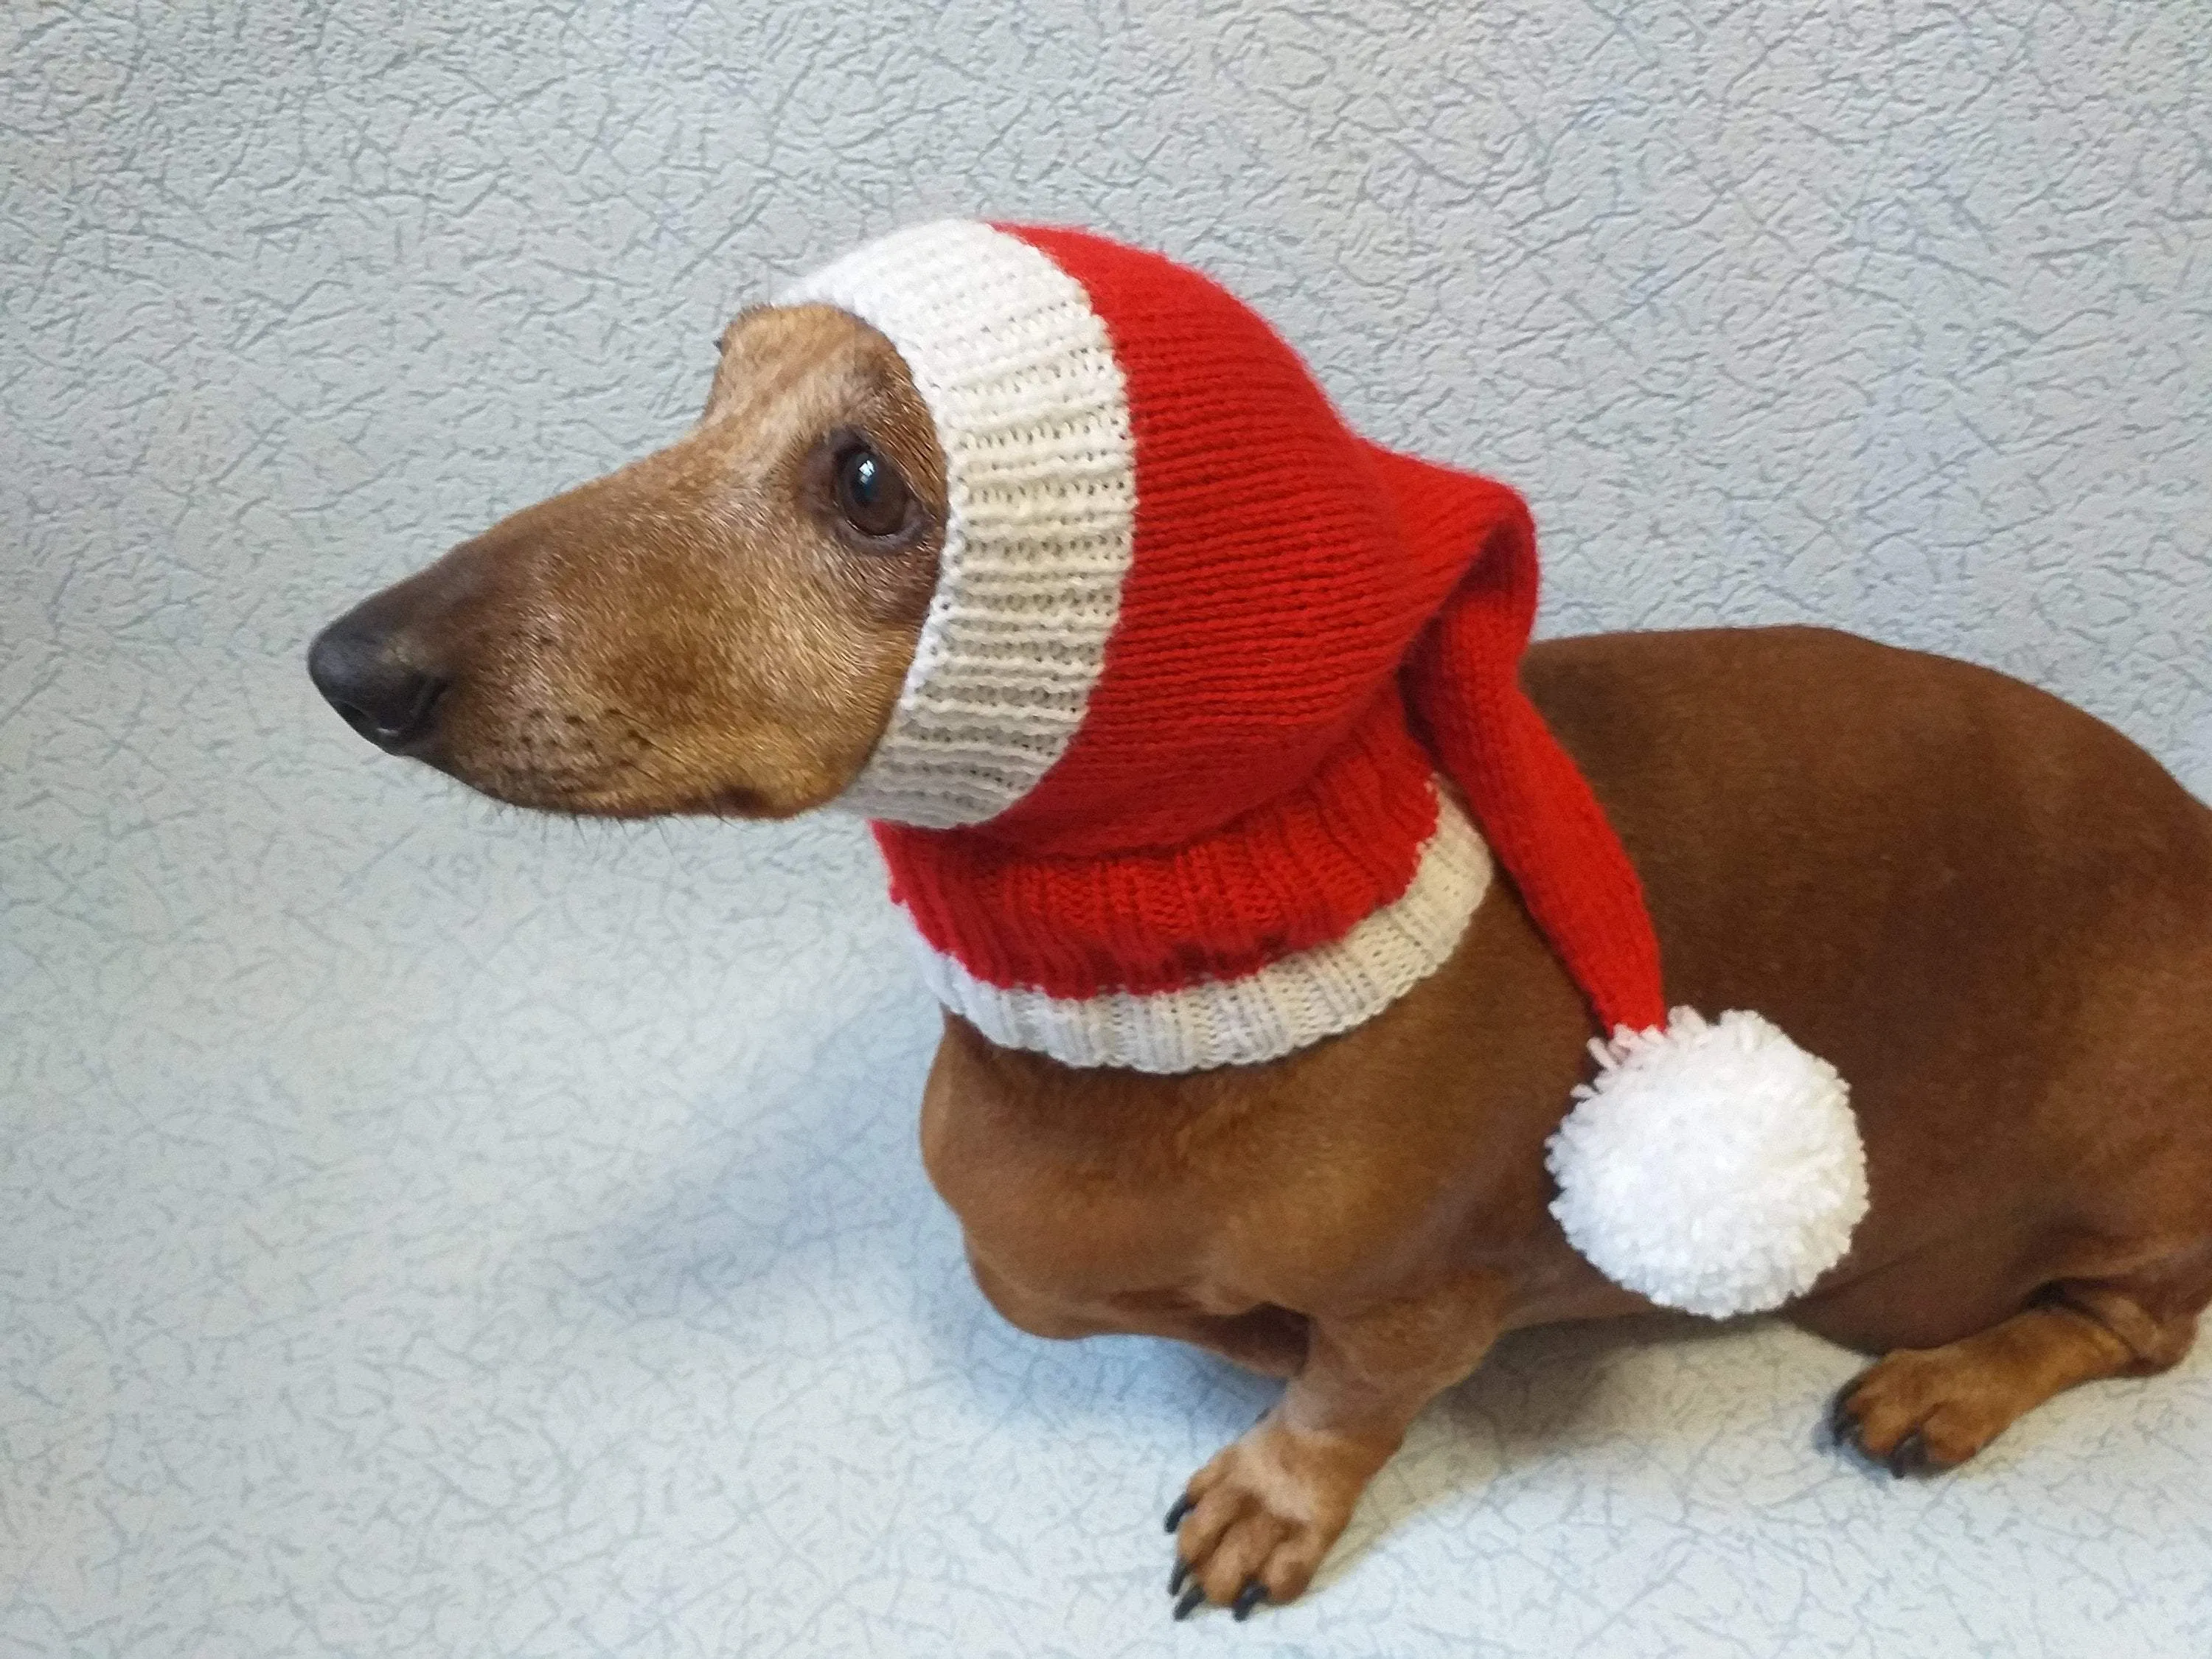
[1712,1167]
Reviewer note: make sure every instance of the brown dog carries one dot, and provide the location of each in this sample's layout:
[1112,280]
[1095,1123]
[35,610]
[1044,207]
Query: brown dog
[1992,913]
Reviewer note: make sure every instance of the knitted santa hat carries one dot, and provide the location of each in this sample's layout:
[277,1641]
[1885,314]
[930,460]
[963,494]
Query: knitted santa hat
[1181,775]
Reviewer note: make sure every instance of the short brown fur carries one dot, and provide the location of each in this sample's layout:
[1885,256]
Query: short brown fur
[1992,912]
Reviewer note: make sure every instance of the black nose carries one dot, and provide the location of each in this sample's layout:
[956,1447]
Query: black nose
[386,699]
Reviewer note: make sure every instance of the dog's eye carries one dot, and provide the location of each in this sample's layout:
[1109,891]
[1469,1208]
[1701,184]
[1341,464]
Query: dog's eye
[871,494]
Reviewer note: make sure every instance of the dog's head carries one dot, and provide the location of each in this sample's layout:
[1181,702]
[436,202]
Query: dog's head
[722,626]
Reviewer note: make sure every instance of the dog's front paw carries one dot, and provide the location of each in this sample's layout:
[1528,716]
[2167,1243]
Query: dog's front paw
[1254,1524]
[1921,1412]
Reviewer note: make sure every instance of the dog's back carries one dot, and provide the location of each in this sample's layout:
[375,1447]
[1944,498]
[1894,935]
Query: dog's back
[1989,909]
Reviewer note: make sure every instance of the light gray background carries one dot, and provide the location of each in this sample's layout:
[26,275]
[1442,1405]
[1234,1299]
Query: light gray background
[425,1229]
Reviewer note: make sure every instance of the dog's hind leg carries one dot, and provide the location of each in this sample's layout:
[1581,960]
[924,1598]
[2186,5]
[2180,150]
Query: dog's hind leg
[1919,1410]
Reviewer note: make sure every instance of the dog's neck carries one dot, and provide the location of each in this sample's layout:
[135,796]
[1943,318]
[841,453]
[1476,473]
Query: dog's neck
[1295,920]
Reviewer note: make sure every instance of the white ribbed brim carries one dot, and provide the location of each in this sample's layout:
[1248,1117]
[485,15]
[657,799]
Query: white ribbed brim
[1293,1001]
[1031,413]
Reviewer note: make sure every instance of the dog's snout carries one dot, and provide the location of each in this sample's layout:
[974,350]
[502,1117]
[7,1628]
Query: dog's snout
[385,698]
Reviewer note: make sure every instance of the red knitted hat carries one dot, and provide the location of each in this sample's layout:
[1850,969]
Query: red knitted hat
[1182,773]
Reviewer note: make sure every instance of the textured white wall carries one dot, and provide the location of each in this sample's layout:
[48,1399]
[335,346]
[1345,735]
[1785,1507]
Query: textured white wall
[423,1227]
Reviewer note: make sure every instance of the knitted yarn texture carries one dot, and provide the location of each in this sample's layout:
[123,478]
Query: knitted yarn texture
[1156,737]
[1211,688]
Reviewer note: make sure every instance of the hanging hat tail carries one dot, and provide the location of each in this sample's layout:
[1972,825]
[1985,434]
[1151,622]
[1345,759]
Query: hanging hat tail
[1712,1166]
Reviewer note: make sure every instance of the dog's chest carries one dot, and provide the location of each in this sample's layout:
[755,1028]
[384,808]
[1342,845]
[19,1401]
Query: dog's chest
[1131,1213]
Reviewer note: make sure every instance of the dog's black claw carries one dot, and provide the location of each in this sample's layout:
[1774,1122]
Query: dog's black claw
[1183,1505]
[1249,1597]
[1175,1579]
[1910,1457]
[1191,1598]
[1843,1427]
